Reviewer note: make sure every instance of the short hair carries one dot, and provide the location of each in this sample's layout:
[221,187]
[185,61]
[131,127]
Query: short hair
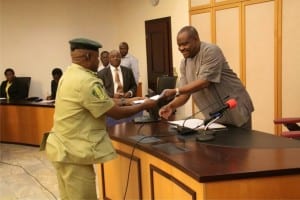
[9,70]
[103,52]
[57,71]
[124,43]
[192,31]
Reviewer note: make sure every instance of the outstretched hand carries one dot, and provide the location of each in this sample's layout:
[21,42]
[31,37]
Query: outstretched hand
[165,112]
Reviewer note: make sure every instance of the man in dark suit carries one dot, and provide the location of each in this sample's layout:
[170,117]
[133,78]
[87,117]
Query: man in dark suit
[12,88]
[118,81]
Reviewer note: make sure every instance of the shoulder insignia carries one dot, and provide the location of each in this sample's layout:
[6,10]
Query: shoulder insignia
[98,91]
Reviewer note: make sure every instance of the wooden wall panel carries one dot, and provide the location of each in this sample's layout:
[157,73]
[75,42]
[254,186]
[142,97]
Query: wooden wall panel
[202,23]
[259,31]
[290,58]
[199,2]
[228,36]
[249,33]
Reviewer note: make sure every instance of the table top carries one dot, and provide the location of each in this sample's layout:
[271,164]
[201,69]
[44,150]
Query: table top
[233,154]
[27,103]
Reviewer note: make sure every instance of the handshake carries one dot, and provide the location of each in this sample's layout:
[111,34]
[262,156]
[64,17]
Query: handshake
[165,93]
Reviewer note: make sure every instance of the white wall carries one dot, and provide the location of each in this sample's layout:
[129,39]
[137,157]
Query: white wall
[35,34]
[134,13]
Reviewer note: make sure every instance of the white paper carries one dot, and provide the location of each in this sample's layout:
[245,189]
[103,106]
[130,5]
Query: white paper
[155,98]
[196,124]
[48,101]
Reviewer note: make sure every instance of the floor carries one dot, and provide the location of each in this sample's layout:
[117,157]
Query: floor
[26,174]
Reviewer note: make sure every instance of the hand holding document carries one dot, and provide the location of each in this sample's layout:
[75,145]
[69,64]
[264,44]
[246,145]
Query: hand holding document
[196,124]
[155,98]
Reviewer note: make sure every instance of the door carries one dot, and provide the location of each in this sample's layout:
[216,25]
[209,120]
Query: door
[158,49]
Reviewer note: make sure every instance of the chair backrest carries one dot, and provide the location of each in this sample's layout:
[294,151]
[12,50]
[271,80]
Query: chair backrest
[165,82]
[26,84]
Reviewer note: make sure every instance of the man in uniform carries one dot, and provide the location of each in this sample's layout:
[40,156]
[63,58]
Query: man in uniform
[78,138]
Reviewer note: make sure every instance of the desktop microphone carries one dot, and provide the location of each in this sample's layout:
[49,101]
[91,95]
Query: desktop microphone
[183,130]
[207,135]
[231,103]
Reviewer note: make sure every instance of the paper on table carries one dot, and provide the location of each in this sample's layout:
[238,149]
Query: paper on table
[194,123]
[48,101]
[156,97]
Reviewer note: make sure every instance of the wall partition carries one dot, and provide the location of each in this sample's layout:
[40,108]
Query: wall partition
[249,33]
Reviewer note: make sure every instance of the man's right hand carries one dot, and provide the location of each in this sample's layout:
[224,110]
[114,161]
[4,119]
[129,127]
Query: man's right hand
[165,112]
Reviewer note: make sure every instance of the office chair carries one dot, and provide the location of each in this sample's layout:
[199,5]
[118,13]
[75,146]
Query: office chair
[163,82]
[25,81]
[291,125]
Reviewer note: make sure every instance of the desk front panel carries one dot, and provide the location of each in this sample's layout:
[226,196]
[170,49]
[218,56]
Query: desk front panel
[25,124]
[238,164]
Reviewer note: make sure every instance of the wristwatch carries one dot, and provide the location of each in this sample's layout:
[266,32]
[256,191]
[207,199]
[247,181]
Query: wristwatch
[177,92]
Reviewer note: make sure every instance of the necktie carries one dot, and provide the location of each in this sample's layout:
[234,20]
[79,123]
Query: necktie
[118,82]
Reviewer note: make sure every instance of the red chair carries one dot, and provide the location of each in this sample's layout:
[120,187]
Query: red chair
[292,126]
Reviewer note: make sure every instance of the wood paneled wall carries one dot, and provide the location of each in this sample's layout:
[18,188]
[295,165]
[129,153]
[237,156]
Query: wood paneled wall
[249,33]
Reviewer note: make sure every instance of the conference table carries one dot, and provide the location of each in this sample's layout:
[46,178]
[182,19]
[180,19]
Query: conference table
[162,164]
[155,162]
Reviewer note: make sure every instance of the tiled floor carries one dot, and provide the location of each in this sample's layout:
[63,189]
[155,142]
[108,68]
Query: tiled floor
[26,174]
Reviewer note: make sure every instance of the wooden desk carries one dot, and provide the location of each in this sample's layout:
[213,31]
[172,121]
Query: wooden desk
[25,122]
[236,165]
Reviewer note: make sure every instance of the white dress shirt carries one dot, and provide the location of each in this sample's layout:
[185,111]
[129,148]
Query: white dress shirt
[132,63]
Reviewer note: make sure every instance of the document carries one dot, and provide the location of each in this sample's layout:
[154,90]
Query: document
[196,124]
[47,101]
[155,98]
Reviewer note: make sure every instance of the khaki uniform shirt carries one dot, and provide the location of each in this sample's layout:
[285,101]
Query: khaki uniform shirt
[210,64]
[79,132]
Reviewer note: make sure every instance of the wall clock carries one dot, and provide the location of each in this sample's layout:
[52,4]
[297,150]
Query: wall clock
[154,2]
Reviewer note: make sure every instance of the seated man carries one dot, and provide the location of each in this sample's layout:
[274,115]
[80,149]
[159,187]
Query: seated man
[118,81]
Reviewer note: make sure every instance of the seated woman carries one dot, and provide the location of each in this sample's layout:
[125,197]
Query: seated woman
[56,74]
[12,88]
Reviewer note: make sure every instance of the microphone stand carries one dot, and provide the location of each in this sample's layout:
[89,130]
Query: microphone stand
[205,134]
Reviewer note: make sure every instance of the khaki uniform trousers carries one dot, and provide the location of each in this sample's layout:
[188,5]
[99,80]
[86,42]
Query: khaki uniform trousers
[76,182]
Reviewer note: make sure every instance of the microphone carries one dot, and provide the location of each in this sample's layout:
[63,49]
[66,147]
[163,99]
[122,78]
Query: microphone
[205,136]
[183,130]
[231,103]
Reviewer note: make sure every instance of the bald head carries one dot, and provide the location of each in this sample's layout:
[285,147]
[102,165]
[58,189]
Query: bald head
[115,58]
